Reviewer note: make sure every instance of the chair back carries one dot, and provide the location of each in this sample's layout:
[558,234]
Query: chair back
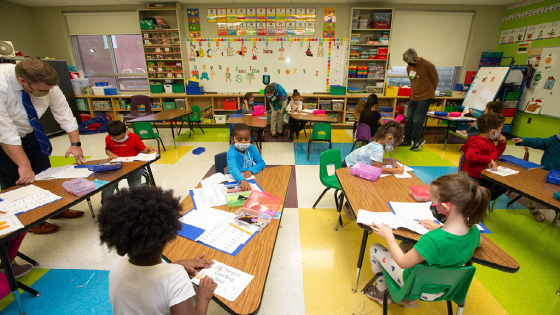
[454,282]
[239,111]
[331,156]
[462,160]
[136,100]
[195,116]
[321,131]
[363,132]
[220,162]
[144,130]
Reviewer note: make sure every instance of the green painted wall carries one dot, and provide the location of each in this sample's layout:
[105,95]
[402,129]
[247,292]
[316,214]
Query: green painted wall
[540,126]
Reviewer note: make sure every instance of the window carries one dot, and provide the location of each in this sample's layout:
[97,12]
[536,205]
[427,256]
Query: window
[398,77]
[117,59]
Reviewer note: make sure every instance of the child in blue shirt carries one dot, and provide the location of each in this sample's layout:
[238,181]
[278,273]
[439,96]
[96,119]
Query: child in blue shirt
[243,159]
[491,107]
[550,160]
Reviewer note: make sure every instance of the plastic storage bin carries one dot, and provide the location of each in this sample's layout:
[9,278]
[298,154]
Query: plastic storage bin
[553,177]
[337,104]
[509,112]
[338,90]
[110,91]
[420,193]
[79,186]
[245,216]
[510,104]
[513,95]
[195,90]
[391,91]
[508,120]
[156,88]
[78,85]
[98,90]
[263,202]
[229,103]
[404,91]
[220,119]
[82,104]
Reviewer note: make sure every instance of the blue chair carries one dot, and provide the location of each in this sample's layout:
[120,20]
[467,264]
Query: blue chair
[220,162]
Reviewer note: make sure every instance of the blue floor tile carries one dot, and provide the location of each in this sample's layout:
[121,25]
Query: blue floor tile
[317,148]
[430,173]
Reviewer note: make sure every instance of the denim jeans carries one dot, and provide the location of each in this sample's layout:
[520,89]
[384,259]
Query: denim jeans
[134,179]
[415,116]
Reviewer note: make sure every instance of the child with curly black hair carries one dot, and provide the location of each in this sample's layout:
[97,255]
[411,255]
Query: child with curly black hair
[138,223]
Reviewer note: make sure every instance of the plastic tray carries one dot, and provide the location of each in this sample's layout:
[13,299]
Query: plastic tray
[79,186]
[262,219]
[263,202]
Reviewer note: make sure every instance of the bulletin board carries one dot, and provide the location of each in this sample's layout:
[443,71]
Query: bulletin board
[539,97]
[306,64]
[485,86]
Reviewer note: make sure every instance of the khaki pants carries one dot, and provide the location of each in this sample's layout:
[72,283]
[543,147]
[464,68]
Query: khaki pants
[276,119]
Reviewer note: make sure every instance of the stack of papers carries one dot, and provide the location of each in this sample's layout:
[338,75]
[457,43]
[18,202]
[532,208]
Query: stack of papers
[503,171]
[231,282]
[227,235]
[394,221]
[219,178]
[205,218]
[140,157]
[27,198]
[68,171]
[208,197]
[403,175]
[8,220]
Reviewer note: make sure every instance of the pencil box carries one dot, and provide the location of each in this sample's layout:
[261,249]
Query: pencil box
[455,114]
[365,171]
[553,177]
[318,112]
[440,113]
[79,186]
[557,195]
[420,193]
[252,217]
[104,167]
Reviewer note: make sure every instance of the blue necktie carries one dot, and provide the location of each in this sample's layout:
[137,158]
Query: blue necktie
[44,141]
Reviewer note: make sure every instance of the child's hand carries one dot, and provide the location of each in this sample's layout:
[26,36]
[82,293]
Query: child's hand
[382,230]
[517,140]
[493,165]
[247,174]
[471,111]
[399,170]
[279,111]
[394,164]
[152,150]
[112,156]
[472,124]
[196,263]
[429,224]
[502,139]
[245,186]
[206,289]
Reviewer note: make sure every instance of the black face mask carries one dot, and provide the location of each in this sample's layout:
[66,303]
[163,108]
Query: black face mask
[412,64]
[439,216]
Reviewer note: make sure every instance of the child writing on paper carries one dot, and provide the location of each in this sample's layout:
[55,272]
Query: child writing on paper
[491,107]
[370,114]
[550,160]
[295,106]
[243,159]
[248,103]
[463,202]
[481,152]
[121,143]
[138,223]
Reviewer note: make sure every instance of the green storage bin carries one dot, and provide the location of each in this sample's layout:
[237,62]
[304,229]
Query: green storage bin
[513,96]
[338,90]
[156,88]
[168,105]
[82,104]
[146,24]
[178,88]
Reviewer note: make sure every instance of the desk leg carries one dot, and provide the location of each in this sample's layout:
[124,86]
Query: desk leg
[447,134]
[173,135]
[10,276]
[361,259]
[153,181]
[492,187]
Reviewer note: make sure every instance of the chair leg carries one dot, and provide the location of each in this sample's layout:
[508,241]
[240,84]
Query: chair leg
[159,139]
[460,309]
[339,209]
[449,307]
[198,123]
[28,289]
[513,201]
[90,207]
[336,198]
[385,298]
[370,283]
[320,197]
[308,149]
[28,259]
[180,128]
[493,205]
[330,144]
[353,146]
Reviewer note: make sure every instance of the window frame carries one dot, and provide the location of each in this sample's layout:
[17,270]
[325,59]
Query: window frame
[116,75]
[457,71]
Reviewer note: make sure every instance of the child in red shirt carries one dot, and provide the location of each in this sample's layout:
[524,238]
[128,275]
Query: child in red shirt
[121,143]
[481,152]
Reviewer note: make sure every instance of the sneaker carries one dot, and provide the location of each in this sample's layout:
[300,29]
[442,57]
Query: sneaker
[349,213]
[539,217]
[463,133]
[405,144]
[19,270]
[373,294]
[406,303]
[418,145]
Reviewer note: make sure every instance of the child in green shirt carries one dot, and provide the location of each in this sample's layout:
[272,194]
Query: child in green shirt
[460,203]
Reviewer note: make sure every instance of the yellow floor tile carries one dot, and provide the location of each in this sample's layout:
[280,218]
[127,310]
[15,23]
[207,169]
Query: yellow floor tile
[329,270]
[173,155]
[451,152]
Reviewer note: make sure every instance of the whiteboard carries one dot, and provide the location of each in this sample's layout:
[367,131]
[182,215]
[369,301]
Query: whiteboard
[485,86]
[293,68]
[539,98]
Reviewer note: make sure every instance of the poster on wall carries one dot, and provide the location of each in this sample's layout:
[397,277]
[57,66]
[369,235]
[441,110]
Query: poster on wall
[310,14]
[271,28]
[211,15]
[241,13]
[261,14]
[280,28]
[251,14]
[222,15]
[271,14]
[300,28]
[290,15]
[290,28]
[261,28]
[309,28]
[523,47]
[280,14]
[241,29]
[548,63]
[231,15]
[300,14]
[251,28]
[531,33]
[222,29]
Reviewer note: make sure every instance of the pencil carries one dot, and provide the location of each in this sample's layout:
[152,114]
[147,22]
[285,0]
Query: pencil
[405,163]
[235,226]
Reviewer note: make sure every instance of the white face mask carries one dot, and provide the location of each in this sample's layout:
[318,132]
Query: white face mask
[37,93]
[494,135]
[242,146]
[122,140]
[389,148]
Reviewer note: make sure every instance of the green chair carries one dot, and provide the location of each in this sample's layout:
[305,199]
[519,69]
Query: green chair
[330,181]
[454,282]
[321,132]
[144,131]
[195,117]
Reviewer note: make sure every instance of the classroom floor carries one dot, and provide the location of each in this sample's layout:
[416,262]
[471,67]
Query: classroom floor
[313,267]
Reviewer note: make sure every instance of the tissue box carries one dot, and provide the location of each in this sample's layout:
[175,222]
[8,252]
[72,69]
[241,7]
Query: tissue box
[365,171]
[420,193]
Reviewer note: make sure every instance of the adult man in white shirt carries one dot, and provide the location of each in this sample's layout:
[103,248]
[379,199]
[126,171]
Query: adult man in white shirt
[26,91]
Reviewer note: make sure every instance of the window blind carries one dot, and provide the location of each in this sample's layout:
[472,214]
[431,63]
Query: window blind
[103,23]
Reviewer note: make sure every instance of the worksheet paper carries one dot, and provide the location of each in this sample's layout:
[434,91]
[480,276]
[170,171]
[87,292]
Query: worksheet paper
[206,218]
[403,175]
[412,210]
[394,221]
[231,282]
[68,171]
[219,178]
[8,221]
[27,198]
[227,235]
[208,197]
[140,157]
[503,171]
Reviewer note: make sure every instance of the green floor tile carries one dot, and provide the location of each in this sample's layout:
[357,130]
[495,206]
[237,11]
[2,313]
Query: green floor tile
[209,135]
[423,157]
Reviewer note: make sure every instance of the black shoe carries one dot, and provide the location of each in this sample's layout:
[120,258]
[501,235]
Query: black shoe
[417,146]
[405,144]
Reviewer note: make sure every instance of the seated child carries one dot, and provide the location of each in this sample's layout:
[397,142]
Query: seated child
[248,103]
[138,223]
[121,143]
[243,159]
[481,152]
[370,114]
[491,107]
[550,160]
[295,106]
[463,202]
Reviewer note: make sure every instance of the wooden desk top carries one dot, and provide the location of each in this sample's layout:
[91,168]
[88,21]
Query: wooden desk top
[529,183]
[33,217]
[251,121]
[165,115]
[448,118]
[314,118]
[374,196]
[254,258]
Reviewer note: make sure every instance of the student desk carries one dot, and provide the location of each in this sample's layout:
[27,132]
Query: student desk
[256,122]
[311,118]
[39,215]
[374,196]
[529,183]
[449,121]
[172,115]
[254,258]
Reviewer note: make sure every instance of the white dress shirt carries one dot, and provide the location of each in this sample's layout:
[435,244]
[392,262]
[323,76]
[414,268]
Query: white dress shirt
[14,123]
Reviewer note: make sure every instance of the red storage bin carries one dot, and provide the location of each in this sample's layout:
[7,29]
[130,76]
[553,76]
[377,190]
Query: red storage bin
[509,112]
[230,103]
[404,91]
[383,51]
[399,110]
[381,25]
[84,117]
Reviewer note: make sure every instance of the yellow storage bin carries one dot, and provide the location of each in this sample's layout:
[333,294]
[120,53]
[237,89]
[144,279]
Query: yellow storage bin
[391,91]
[508,120]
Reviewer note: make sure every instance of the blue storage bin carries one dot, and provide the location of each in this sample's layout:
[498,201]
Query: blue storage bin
[193,83]
[110,91]
[385,108]
[199,90]
[553,177]
[101,83]
[507,128]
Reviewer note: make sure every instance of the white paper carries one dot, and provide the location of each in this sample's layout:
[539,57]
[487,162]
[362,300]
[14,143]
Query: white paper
[227,235]
[403,175]
[308,111]
[8,221]
[214,179]
[406,168]
[208,197]
[31,202]
[206,218]
[140,157]
[68,171]
[231,282]
[22,192]
[413,210]
[503,171]
[394,221]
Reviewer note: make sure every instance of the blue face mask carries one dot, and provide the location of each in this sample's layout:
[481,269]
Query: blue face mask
[250,102]
[122,140]
[389,148]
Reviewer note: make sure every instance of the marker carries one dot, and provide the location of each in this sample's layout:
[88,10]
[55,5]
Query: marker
[235,226]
